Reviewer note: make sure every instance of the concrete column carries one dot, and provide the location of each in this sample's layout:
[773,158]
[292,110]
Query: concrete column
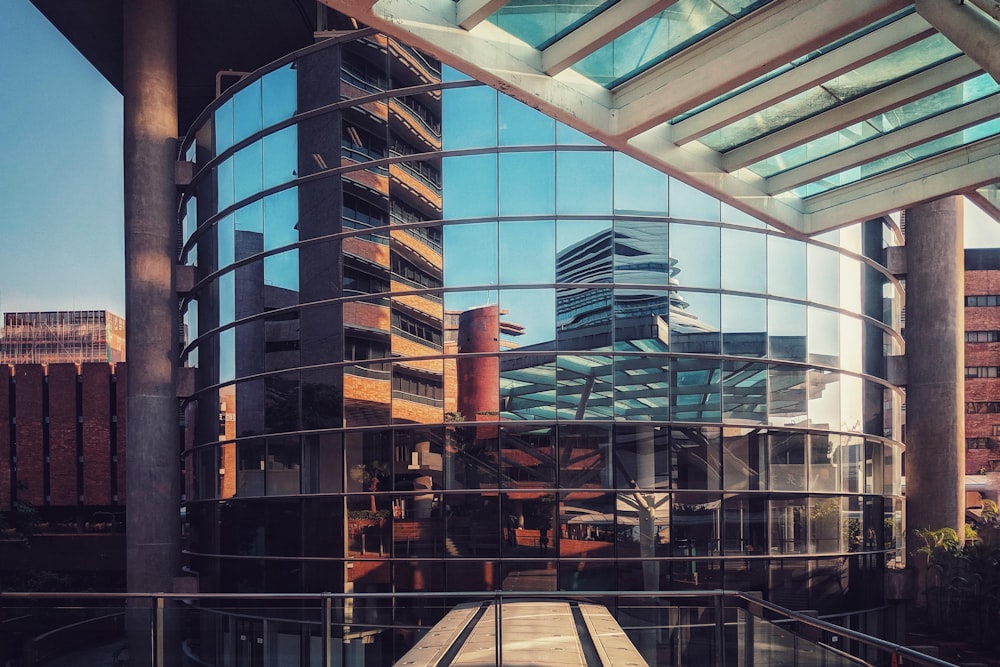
[153,458]
[935,353]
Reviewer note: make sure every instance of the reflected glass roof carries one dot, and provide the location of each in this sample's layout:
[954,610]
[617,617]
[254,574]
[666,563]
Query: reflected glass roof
[808,115]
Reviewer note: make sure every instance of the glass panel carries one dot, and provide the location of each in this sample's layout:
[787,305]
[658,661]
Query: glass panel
[744,527]
[642,387]
[280,157]
[526,183]
[284,462]
[568,136]
[697,250]
[744,391]
[825,519]
[528,318]
[786,329]
[642,457]
[247,174]
[583,318]
[744,326]
[744,260]
[224,174]
[278,91]
[696,322]
[668,32]
[280,219]
[584,387]
[223,118]
[786,268]
[824,463]
[528,520]
[470,114]
[470,186]
[527,252]
[639,189]
[539,24]
[583,183]
[824,399]
[470,254]
[824,275]
[586,530]
[744,454]
[786,461]
[787,393]
[696,392]
[693,204]
[528,386]
[696,529]
[788,525]
[246,111]
[520,125]
[528,456]
[697,460]
[585,457]
[824,337]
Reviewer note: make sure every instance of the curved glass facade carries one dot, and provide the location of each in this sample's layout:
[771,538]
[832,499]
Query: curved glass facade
[442,342]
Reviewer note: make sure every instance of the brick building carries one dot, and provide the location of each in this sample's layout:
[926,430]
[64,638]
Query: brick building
[982,360]
[62,450]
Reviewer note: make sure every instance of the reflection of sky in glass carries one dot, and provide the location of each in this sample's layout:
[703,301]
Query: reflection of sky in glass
[520,125]
[527,252]
[470,254]
[534,309]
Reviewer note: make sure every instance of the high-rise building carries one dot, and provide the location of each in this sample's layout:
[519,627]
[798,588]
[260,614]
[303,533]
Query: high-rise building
[443,342]
[73,336]
[982,361]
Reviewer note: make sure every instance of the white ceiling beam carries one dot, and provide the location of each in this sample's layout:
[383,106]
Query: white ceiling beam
[968,28]
[919,85]
[598,31]
[960,170]
[751,47]
[470,13]
[900,140]
[863,50]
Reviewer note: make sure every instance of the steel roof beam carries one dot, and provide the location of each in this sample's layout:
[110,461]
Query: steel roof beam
[861,51]
[968,28]
[914,87]
[774,35]
[960,170]
[893,142]
[598,31]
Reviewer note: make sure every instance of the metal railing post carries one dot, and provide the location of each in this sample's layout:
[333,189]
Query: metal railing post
[159,659]
[498,614]
[720,632]
[327,623]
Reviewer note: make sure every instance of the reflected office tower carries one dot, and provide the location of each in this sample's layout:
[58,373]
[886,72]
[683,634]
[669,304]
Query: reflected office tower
[443,343]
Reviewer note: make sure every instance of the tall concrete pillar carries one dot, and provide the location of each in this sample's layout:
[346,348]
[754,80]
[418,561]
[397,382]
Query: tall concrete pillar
[935,352]
[153,461]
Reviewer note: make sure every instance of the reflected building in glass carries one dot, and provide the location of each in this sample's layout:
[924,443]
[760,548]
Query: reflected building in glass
[442,342]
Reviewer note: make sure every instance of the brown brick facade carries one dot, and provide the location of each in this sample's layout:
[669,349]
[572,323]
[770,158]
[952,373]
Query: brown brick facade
[982,429]
[64,412]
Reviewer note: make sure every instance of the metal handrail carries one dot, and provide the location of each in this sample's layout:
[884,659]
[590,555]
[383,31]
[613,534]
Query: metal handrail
[746,601]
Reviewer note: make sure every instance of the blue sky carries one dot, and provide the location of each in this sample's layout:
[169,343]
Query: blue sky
[60,172]
[61,243]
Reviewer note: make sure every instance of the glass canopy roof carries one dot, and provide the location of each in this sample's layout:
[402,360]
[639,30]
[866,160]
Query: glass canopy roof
[808,115]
